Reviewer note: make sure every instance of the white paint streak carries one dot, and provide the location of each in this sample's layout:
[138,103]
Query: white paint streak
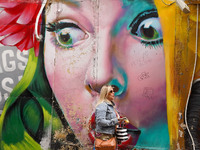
[46,140]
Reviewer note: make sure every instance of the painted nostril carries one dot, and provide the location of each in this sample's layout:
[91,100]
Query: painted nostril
[119,89]
[120,75]
[94,89]
[90,86]
[115,88]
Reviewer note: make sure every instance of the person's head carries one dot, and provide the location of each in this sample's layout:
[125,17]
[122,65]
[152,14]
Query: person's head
[110,95]
[106,93]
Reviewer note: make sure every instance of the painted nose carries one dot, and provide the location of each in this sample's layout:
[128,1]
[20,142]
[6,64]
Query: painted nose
[120,80]
[100,71]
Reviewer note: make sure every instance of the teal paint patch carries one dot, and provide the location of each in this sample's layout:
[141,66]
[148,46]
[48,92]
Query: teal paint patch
[117,28]
[156,137]
[114,81]
[132,8]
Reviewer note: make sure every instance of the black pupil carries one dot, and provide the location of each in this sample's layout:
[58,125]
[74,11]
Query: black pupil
[147,32]
[64,37]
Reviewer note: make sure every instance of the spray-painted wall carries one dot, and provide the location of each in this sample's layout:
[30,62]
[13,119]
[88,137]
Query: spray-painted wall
[146,49]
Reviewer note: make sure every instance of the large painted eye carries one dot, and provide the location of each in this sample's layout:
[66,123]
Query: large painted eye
[147,28]
[68,34]
[150,29]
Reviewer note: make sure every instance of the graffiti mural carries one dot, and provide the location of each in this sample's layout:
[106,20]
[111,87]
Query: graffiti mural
[75,47]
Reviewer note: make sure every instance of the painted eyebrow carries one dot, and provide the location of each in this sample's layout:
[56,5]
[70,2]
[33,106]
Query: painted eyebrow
[141,16]
[56,26]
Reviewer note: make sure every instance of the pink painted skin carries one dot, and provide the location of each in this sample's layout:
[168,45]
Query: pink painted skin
[71,69]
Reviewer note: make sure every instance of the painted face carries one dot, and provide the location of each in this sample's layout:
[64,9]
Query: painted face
[92,43]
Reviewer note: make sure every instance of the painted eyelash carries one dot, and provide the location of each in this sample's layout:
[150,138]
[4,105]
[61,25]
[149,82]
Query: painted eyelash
[133,27]
[137,21]
[152,44]
[55,27]
[52,27]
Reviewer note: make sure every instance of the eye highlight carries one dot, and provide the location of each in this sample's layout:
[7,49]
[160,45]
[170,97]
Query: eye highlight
[146,27]
[68,34]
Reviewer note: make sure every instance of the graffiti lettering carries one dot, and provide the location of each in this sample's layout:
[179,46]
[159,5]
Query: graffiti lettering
[8,64]
[23,58]
[12,65]
[5,85]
